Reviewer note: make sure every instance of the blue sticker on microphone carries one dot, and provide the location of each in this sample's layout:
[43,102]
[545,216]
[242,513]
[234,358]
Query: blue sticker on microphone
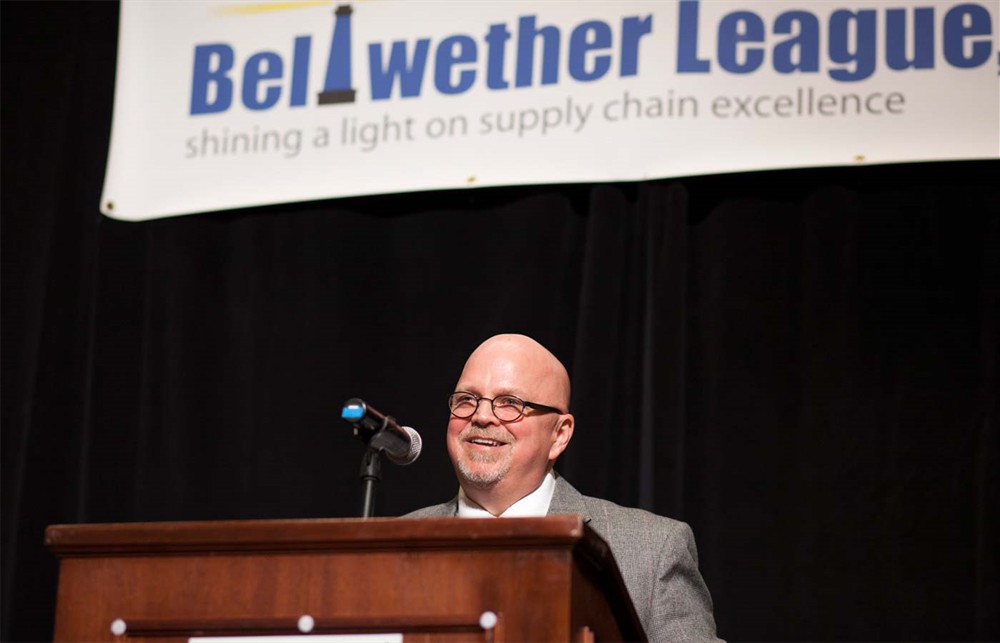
[352,412]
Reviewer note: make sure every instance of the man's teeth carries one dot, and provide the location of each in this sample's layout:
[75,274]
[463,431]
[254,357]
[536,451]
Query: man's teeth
[485,442]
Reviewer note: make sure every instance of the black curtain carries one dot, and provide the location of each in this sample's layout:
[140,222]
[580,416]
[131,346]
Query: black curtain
[800,364]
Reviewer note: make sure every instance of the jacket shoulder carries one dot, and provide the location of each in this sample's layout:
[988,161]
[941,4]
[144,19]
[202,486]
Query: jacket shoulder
[443,510]
[612,515]
[611,519]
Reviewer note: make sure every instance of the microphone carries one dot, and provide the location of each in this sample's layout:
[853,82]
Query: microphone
[381,432]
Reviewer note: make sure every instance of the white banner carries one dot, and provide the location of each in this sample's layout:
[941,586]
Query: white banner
[222,105]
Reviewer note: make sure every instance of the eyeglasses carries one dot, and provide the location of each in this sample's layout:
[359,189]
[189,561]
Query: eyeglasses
[506,408]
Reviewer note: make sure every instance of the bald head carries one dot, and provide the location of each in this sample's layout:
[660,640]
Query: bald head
[526,362]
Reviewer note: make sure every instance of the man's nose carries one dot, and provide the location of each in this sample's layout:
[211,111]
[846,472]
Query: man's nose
[484,413]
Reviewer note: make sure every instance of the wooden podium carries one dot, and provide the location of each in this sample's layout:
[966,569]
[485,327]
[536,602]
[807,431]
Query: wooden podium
[545,579]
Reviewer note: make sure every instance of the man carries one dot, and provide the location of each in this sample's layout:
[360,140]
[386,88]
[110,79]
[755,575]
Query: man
[509,422]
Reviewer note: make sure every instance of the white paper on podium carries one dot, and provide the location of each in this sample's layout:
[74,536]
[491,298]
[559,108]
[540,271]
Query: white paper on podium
[302,638]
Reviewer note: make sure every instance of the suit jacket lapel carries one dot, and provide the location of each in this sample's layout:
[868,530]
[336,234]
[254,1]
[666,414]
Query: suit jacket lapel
[567,500]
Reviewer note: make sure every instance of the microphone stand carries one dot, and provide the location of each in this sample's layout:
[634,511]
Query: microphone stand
[371,473]
[371,466]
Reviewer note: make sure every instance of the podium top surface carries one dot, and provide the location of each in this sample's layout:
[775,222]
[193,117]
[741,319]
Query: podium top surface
[326,534]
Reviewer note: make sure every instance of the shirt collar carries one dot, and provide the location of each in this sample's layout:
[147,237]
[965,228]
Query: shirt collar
[534,504]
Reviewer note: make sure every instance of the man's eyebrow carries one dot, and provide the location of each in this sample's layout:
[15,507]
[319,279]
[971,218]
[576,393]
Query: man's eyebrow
[511,390]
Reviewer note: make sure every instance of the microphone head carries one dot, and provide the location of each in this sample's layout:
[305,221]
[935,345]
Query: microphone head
[415,445]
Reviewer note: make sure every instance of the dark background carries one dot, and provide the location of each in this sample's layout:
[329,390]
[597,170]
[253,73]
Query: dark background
[801,364]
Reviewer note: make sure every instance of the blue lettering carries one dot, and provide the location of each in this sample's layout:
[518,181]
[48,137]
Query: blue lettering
[967,20]
[208,75]
[300,71]
[263,66]
[863,55]
[896,39]
[411,75]
[496,41]
[687,40]
[806,43]
[451,51]
[737,27]
[744,45]
[632,30]
[527,34]
[589,36]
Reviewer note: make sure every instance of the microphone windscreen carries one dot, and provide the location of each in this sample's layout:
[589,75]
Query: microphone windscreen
[415,445]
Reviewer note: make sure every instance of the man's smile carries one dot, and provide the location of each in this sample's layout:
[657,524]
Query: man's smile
[485,442]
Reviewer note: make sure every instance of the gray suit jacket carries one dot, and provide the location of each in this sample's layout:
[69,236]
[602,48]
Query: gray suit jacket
[656,555]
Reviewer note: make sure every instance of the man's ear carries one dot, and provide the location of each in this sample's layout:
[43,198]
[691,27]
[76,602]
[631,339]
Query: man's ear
[561,435]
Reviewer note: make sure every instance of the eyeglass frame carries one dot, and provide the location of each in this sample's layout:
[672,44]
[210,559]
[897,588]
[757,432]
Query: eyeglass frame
[479,398]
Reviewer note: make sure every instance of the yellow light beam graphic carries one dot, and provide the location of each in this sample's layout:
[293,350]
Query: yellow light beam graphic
[267,7]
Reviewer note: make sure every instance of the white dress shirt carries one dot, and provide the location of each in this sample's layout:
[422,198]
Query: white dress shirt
[534,504]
